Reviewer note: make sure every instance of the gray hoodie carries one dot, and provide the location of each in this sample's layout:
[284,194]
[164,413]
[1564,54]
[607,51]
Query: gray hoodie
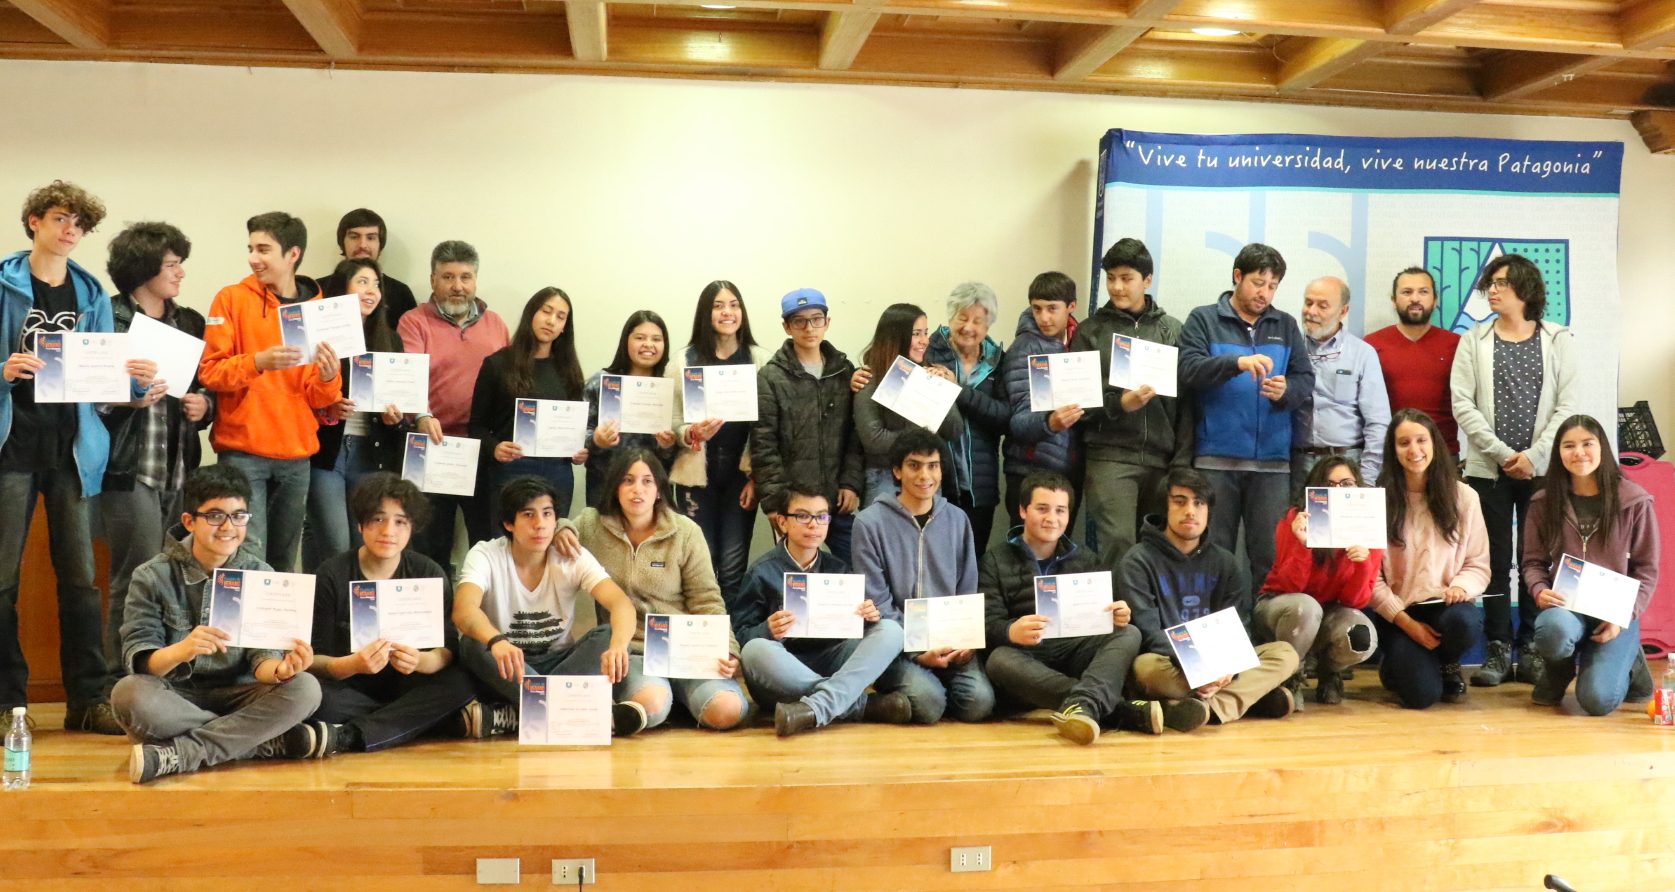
[903,561]
[166,601]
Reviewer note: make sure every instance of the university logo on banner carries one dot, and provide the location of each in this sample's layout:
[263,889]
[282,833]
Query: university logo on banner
[1457,263]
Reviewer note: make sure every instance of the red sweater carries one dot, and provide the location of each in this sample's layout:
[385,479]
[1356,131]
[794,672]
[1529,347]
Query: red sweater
[456,356]
[1338,581]
[1416,375]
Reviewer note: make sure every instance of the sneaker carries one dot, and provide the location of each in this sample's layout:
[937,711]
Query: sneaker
[1639,680]
[888,709]
[479,719]
[1453,685]
[1145,716]
[301,742]
[1276,704]
[329,740]
[1497,665]
[1329,690]
[1555,678]
[147,763]
[1294,684]
[95,719]
[1529,665]
[1075,724]
[1185,715]
[628,718]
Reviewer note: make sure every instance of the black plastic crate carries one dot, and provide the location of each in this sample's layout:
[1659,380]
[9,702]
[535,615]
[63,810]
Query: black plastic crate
[1637,431]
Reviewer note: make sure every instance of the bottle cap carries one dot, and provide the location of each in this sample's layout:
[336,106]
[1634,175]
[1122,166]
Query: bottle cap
[19,710]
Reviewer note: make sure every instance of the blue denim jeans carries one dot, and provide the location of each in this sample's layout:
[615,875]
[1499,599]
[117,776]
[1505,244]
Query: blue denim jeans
[278,503]
[330,530]
[557,471]
[880,485]
[694,693]
[831,679]
[81,654]
[135,521]
[962,691]
[726,526]
[1561,637]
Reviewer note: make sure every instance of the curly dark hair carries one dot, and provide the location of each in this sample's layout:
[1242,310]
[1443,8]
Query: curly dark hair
[136,254]
[89,210]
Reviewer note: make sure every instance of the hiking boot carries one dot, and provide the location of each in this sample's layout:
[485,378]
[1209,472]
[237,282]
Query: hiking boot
[1276,704]
[1497,666]
[1529,665]
[1075,724]
[1639,680]
[888,709]
[1453,685]
[1555,679]
[1185,715]
[147,763]
[628,718]
[794,718]
[1145,716]
[1328,691]
[96,719]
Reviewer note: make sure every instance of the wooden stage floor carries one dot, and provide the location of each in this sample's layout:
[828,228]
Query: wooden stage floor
[1490,794]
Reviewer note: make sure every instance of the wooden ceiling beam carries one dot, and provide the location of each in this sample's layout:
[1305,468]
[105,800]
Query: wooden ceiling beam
[1650,24]
[1657,130]
[1414,16]
[83,24]
[334,24]
[1083,53]
[842,35]
[1518,75]
[1319,58]
[588,21]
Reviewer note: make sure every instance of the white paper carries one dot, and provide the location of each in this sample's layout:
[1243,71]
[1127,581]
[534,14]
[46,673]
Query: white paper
[1065,379]
[1341,516]
[549,428]
[910,391]
[175,352]
[1075,604]
[262,609]
[402,611]
[824,604]
[1212,647]
[954,621]
[445,468]
[564,710]
[640,404]
[685,645]
[402,380]
[1136,363]
[82,367]
[332,320]
[726,392]
[1592,590]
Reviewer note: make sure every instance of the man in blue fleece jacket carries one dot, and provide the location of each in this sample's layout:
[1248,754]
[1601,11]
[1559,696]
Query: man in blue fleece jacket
[919,545]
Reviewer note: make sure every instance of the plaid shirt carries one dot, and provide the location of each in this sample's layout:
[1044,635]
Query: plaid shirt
[161,462]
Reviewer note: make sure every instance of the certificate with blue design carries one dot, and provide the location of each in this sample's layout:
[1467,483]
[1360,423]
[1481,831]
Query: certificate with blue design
[332,320]
[725,392]
[638,403]
[952,621]
[549,428]
[1595,591]
[446,468]
[824,604]
[685,645]
[401,611]
[1057,380]
[564,710]
[1136,363]
[1075,604]
[915,394]
[1212,647]
[1342,516]
[402,380]
[262,609]
[82,367]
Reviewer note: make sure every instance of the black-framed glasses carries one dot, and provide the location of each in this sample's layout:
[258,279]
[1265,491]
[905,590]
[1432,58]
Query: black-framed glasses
[808,520]
[219,518]
[800,323]
[1343,484]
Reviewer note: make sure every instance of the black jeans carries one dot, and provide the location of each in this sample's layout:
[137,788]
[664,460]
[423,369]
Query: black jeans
[1504,499]
[982,519]
[391,708]
[81,654]
[1091,669]
[436,540]
[715,509]
[1413,672]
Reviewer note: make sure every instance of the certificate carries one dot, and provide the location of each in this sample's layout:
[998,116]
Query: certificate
[824,604]
[175,352]
[564,710]
[910,391]
[685,645]
[1341,516]
[446,468]
[402,380]
[82,367]
[1592,590]
[402,611]
[1065,379]
[954,621]
[1136,363]
[332,320]
[639,404]
[727,392]
[1075,604]
[1212,646]
[549,428]
[262,609]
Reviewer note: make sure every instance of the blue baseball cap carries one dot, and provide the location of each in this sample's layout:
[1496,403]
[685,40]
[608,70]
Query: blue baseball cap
[801,299]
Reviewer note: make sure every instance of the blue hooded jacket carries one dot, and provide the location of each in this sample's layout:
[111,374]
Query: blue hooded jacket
[1247,425]
[93,313]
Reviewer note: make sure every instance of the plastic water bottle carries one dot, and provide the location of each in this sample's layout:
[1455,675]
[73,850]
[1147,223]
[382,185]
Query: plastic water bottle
[18,740]
[1664,714]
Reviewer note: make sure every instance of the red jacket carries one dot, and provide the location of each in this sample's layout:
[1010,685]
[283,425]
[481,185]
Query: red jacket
[1337,581]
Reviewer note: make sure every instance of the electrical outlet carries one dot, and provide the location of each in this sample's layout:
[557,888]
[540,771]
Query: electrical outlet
[574,872]
[968,859]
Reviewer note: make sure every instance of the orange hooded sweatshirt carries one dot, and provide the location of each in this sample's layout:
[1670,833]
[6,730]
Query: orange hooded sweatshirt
[270,414]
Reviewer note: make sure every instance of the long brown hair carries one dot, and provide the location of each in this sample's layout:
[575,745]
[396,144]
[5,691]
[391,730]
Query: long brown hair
[1321,475]
[1550,531]
[1441,481]
[520,375]
[892,338]
[380,337]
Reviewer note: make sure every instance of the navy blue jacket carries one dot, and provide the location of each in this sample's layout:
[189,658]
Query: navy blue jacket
[1030,444]
[986,415]
[1247,426]
[762,594]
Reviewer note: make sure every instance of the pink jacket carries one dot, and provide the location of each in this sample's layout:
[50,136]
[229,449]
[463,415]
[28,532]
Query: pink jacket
[456,356]
[1427,564]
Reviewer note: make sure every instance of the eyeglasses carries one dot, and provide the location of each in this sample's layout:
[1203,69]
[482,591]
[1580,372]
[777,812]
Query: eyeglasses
[808,520]
[1499,283]
[219,518]
[801,323]
[1343,484]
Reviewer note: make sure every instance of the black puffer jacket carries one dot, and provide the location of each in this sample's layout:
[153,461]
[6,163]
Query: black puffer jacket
[803,429]
[987,415]
[1160,434]
[1006,575]
[125,422]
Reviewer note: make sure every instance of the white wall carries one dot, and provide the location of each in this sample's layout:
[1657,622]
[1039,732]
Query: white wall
[632,193]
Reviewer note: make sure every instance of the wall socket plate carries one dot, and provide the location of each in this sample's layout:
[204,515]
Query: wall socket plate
[574,871]
[969,859]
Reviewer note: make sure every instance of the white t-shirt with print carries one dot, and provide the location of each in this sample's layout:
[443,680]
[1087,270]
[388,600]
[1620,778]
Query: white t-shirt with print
[544,619]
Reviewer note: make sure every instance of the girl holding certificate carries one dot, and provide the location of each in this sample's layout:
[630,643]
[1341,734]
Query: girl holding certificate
[354,440]
[642,350]
[659,558]
[541,364]
[1590,512]
[1313,597]
[712,474]
[903,330]
[1436,566]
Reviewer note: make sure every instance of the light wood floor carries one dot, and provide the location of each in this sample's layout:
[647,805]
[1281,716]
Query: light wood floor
[1490,794]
